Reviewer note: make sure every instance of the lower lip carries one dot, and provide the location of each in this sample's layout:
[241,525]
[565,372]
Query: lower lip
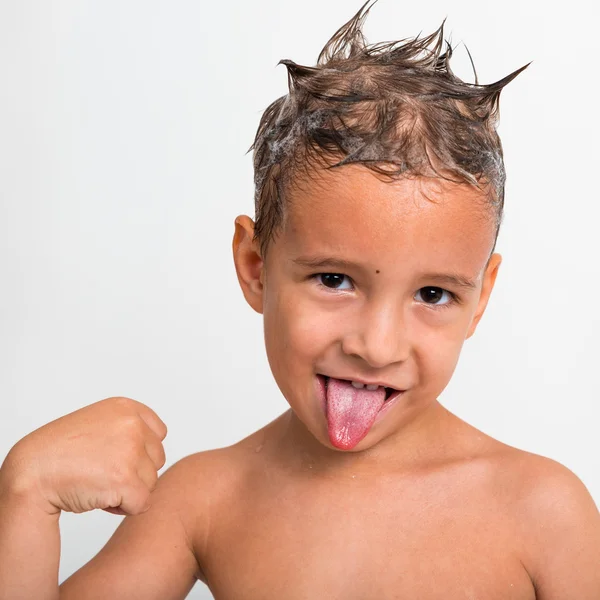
[322,394]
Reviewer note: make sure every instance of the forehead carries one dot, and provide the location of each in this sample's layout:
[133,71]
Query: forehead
[351,213]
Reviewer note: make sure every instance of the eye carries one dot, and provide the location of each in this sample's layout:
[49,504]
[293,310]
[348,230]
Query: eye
[434,295]
[332,280]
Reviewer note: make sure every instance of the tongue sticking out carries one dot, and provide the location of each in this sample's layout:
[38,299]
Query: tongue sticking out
[351,412]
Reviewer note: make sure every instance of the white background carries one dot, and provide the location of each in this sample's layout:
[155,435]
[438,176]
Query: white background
[123,132]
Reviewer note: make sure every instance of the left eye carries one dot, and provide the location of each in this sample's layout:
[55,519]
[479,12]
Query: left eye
[332,280]
[433,295]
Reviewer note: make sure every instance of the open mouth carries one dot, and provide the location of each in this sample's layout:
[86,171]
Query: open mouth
[389,391]
[351,413]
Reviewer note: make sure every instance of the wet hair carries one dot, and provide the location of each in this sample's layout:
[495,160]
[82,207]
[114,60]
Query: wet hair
[395,107]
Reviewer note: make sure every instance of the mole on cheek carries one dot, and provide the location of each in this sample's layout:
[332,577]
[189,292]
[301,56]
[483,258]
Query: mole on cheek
[376,270]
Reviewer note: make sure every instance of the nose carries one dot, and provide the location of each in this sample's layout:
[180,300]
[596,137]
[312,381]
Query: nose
[379,335]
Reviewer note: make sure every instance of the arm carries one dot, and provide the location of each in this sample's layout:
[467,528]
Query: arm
[29,547]
[562,523]
[103,456]
[150,556]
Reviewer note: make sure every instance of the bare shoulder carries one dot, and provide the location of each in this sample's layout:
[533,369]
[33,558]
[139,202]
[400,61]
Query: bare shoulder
[539,486]
[202,483]
[563,523]
[206,475]
[557,519]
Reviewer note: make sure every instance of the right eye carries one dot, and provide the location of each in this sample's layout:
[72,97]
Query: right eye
[332,280]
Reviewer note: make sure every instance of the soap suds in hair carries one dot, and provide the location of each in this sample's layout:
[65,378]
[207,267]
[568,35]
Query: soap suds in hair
[395,107]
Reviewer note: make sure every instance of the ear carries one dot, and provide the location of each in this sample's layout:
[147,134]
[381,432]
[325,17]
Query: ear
[489,278]
[248,262]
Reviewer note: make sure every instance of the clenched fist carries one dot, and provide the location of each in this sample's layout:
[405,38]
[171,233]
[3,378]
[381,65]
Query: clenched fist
[105,455]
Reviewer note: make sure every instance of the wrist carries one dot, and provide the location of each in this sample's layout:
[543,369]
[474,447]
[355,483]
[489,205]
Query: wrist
[19,485]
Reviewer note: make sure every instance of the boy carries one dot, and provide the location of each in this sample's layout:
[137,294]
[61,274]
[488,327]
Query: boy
[370,275]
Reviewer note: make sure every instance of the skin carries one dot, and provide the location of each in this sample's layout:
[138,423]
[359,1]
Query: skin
[424,506]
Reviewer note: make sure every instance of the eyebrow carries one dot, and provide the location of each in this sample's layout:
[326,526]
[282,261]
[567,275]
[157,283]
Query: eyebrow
[322,262]
[458,280]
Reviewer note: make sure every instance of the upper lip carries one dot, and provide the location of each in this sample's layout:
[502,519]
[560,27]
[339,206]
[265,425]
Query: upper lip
[365,381]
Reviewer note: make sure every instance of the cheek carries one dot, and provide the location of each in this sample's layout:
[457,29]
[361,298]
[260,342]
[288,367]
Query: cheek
[296,333]
[437,353]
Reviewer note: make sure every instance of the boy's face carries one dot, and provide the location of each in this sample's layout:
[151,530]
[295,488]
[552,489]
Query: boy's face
[370,281]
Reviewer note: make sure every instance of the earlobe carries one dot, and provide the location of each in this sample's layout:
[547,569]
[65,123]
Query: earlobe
[489,279]
[248,262]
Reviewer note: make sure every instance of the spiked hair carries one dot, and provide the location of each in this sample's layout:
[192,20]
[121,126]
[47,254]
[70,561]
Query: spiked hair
[395,107]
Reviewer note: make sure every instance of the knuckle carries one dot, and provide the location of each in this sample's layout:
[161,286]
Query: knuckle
[131,424]
[161,425]
[122,473]
[129,448]
[121,401]
[153,482]
[158,453]
[118,475]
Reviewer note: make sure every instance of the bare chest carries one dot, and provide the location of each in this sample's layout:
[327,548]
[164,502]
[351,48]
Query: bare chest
[429,544]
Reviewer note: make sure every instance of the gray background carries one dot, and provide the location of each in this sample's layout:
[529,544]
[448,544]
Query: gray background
[123,131]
